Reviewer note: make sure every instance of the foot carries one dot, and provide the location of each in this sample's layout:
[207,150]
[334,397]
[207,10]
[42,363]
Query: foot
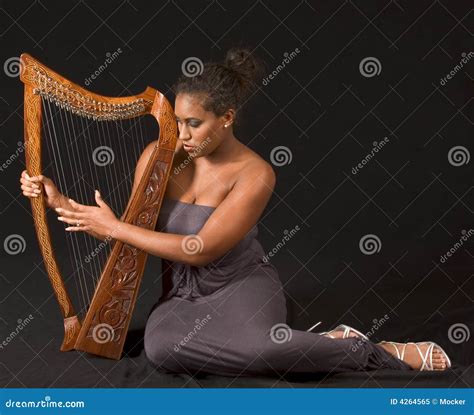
[412,356]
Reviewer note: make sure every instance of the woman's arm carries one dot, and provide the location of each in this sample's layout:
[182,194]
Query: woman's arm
[228,224]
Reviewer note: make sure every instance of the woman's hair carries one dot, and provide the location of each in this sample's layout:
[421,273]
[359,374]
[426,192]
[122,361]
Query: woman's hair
[223,85]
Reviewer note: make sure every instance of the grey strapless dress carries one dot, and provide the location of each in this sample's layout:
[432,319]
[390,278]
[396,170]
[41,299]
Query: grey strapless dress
[228,318]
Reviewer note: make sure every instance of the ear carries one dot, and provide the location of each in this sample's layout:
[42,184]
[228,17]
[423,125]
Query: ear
[229,117]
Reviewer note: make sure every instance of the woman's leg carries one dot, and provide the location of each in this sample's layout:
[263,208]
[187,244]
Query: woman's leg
[244,335]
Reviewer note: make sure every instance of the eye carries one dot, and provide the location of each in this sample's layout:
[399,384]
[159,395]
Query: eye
[194,124]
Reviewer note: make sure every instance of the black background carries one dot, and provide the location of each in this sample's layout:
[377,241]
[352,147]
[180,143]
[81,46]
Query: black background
[327,114]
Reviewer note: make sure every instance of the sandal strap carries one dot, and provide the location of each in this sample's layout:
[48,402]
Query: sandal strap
[394,345]
[426,365]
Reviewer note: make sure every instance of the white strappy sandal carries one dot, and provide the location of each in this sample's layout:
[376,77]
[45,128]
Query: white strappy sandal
[347,330]
[427,364]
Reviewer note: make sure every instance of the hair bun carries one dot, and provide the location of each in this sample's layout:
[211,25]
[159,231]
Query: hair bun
[242,61]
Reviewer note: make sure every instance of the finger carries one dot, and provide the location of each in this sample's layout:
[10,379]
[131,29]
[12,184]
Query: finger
[69,214]
[99,200]
[70,221]
[30,194]
[28,183]
[77,228]
[38,178]
[30,189]
[77,206]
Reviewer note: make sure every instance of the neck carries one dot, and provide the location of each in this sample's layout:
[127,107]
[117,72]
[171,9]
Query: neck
[225,151]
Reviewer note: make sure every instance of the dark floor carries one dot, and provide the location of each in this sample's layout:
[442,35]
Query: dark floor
[32,357]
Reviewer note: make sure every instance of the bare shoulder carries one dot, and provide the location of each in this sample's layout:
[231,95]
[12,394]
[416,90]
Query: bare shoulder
[255,168]
[256,165]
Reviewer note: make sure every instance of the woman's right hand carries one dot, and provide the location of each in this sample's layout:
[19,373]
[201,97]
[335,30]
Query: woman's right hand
[31,186]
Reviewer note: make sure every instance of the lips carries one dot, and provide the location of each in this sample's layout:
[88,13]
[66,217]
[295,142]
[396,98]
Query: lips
[187,146]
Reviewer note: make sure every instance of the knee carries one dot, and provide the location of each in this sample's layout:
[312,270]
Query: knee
[157,349]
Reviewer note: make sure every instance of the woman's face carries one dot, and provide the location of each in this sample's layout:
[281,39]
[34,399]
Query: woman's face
[200,131]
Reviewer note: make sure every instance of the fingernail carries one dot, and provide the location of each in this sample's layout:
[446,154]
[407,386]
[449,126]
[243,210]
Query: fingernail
[60,218]
[37,191]
[58,209]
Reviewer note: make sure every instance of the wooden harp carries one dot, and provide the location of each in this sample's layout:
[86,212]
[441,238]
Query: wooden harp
[53,103]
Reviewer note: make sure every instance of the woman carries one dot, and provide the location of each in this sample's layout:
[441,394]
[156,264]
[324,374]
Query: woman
[223,308]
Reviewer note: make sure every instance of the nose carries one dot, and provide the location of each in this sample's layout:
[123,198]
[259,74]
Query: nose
[184,133]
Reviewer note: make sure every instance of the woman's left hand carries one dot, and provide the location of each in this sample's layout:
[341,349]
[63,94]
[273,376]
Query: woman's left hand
[99,221]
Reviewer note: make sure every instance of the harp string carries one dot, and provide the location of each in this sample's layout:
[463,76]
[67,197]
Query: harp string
[72,243]
[103,250]
[86,190]
[123,150]
[78,171]
[124,142]
[71,142]
[109,169]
